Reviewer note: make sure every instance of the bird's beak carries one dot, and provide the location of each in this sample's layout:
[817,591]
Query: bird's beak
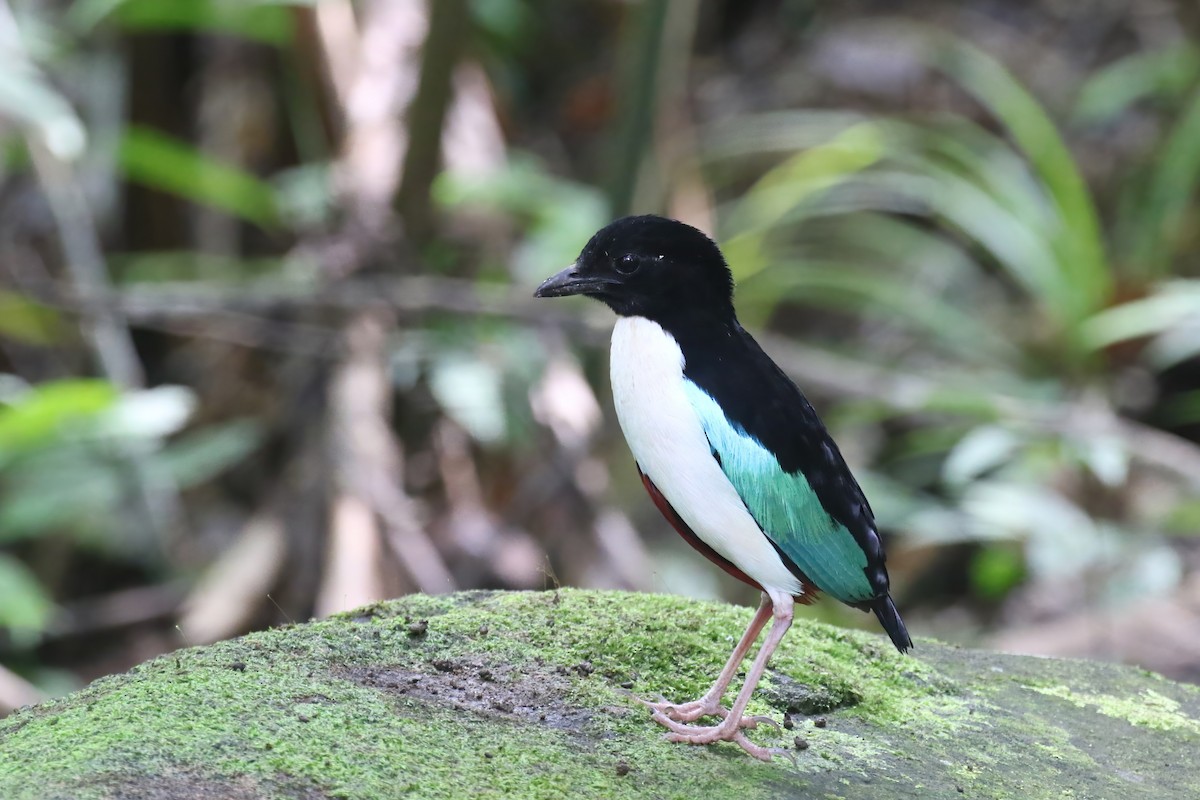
[564,283]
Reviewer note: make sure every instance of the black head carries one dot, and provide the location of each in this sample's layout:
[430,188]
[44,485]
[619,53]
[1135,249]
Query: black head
[649,267]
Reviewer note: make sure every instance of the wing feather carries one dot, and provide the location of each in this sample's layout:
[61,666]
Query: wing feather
[774,450]
[785,506]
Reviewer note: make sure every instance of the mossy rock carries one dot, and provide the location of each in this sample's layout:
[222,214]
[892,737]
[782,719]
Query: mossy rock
[534,695]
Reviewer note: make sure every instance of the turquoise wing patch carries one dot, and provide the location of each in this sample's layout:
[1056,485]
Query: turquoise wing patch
[785,506]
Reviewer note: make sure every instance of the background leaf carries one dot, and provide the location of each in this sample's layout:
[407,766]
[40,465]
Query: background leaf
[161,162]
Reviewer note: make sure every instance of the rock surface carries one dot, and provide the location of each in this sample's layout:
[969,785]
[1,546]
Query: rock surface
[533,695]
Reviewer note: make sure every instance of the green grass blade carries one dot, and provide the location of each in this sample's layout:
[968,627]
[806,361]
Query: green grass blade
[1084,262]
[266,22]
[1167,73]
[161,162]
[879,296]
[965,207]
[777,195]
[1158,219]
[1175,303]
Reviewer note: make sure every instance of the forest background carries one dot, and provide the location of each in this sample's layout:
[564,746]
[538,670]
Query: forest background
[268,348]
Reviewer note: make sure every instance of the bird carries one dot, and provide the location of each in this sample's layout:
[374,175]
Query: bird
[729,449]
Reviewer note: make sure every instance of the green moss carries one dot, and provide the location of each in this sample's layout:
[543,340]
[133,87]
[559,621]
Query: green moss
[315,724]
[534,695]
[1148,709]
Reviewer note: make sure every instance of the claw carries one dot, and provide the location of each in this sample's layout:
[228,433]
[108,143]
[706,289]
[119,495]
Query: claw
[762,719]
[790,754]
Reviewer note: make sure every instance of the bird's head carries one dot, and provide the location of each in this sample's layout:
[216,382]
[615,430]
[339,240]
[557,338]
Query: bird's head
[651,267]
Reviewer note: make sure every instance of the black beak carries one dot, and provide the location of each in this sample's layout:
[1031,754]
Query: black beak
[562,284]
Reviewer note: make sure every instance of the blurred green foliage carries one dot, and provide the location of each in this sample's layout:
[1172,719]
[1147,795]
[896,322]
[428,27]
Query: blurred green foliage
[553,214]
[982,302]
[156,160]
[977,251]
[266,21]
[65,473]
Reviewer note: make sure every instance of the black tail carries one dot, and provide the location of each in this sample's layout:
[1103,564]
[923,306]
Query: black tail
[889,618]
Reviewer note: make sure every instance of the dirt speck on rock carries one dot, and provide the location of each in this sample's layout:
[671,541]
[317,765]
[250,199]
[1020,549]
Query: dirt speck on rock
[528,693]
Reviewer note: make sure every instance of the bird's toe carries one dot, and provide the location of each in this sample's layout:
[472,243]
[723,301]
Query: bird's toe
[687,712]
[722,733]
[670,724]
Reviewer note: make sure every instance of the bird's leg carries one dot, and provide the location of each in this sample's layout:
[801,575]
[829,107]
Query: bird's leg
[710,704]
[730,728]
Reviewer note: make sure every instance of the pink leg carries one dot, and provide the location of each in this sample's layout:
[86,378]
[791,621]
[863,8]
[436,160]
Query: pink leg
[710,703]
[730,728]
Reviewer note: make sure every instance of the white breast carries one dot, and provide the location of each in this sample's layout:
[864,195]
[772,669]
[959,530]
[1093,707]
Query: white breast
[665,435]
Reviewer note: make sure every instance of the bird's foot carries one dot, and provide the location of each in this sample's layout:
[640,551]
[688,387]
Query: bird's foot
[673,723]
[727,731]
[673,715]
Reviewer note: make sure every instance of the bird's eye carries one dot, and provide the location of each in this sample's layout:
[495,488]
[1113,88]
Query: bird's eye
[627,264]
